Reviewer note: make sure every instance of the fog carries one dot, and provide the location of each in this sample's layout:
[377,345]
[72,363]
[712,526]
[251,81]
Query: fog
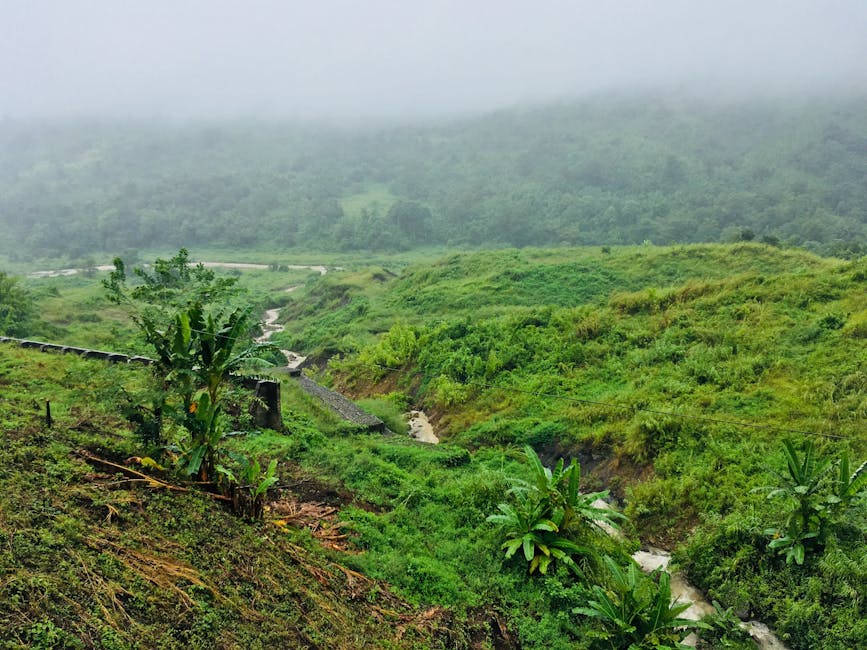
[401,58]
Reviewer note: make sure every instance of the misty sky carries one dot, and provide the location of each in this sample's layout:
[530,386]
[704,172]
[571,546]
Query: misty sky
[399,58]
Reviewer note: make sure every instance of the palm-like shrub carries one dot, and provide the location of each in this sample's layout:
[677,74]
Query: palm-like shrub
[560,490]
[819,499]
[548,513]
[636,611]
[537,533]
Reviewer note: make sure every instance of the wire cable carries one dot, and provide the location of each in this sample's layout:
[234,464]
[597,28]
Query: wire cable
[636,408]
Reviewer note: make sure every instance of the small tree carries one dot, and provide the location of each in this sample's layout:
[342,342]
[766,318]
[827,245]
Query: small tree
[16,307]
[167,287]
[180,310]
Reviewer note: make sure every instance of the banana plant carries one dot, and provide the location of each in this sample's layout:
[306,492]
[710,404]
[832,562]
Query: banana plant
[196,355]
[560,489]
[248,488]
[528,528]
[205,433]
[847,485]
[548,511]
[802,484]
[819,499]
[637,611]
[218,351]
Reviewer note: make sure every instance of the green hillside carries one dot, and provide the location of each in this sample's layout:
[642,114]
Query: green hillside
[606,171]
[91,558]
[673,375]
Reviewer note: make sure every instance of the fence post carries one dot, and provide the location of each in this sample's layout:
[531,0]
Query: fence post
[266,410]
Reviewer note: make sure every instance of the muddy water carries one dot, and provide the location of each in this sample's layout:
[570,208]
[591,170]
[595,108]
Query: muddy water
[681,590]
[244,265]
[270,327]
[650,559]
[65,272]
[420,427]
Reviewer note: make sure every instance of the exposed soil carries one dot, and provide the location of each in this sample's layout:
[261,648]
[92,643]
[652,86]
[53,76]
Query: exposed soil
[310,489]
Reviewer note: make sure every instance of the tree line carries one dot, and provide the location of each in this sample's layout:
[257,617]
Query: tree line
[608,171]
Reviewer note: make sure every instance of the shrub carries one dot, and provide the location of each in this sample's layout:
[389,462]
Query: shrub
[547,512]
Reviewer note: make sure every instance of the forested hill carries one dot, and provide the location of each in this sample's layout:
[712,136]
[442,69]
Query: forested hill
[603,172]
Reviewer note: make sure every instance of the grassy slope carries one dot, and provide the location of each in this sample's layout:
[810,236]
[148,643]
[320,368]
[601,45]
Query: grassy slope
[89,559]
[743,333]
[421,288]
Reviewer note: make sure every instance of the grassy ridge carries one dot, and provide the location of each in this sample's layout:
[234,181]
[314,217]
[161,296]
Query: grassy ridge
[343,311]
[727,334]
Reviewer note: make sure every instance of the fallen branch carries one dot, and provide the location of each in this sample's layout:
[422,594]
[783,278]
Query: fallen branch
[141,476]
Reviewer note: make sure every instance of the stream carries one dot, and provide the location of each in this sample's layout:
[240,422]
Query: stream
[648,559]
[654,558]
[420,427]
[322,270]
[270,327]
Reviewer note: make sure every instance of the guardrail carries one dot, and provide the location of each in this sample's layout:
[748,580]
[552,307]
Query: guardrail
[266,408]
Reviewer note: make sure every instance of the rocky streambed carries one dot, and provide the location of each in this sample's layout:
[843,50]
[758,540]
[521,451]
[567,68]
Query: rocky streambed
[651,559]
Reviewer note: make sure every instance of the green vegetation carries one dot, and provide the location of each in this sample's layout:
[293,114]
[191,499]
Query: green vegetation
[91,558]
[17,317]
[818,503]
[197,348]
[195,357]
[650,381]
[672,375]
[637,612]
[606,171]
[550,512]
